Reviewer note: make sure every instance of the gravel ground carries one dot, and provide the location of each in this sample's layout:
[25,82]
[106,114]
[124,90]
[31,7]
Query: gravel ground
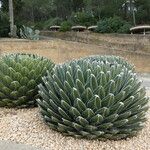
[26,126]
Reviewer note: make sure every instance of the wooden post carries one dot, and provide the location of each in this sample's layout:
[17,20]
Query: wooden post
[144,32]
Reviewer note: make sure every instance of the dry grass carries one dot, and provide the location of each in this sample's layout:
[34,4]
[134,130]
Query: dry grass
[60,51]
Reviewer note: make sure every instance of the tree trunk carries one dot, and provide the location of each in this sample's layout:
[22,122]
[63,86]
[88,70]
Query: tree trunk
[11,16]
[132,12]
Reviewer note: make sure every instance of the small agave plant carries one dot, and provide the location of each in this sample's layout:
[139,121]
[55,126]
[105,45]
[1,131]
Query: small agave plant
[94,100]
[29,33]
[20,75]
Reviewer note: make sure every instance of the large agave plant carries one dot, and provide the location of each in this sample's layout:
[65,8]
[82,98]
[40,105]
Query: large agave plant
[19,76]
[93,100]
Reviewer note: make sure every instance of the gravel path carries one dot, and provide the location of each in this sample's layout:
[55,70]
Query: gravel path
[26,126]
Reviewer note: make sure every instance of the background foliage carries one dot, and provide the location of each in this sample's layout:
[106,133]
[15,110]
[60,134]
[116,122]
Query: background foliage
[43,13]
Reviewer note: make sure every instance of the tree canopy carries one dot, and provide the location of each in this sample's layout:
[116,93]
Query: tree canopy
[42,13]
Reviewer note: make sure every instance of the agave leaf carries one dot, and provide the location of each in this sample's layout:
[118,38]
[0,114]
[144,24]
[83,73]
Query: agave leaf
[111,118]
[69,79]
[58,81]
[87,74]
[105,126]
[22,90]
[103,79]
[89,94]
[80,86]
[65,105]
[120,96]
[7,80]
[124,115]
[91,128]
[75,93]
[80,105]
[64,96]
[14,94]
[93,82]
[62,127]
[6,90]
[31,84]
[97,119]
[101,92]
[88,113]
[77,126]
[84,133]
[80,76]
[103,111]
[120,123]
[67,86]
[98,133]
[74,112]
[82,121]
[21,100]
[108,100]
[17,76]
[24,81]
[54,97]
[52,113]
[14,85]
[97,102]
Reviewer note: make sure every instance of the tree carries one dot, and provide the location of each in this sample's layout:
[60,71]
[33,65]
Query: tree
[143,11]
[11,16]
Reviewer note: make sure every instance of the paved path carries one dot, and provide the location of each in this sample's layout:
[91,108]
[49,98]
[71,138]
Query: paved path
[5,145]
[146,80]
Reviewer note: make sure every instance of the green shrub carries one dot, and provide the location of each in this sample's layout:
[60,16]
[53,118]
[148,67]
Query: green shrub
[125,28]
[4,25]
[40,25]
[93,100]
[83,18]
[111,25]
[104,26]
[19,76]
[65,26]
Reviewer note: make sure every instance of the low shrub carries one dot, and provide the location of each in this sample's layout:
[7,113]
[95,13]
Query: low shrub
[125,28]
[65,26]
[113,25]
